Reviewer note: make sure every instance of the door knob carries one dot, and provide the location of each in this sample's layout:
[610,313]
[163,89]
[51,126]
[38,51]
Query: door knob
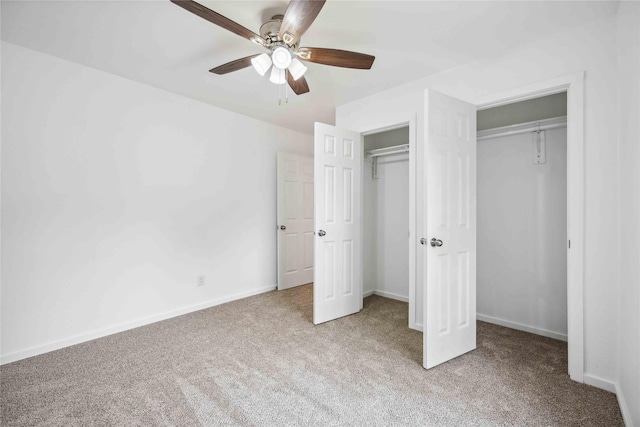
[321,233]
[436,242]
[283,227]
[423,241]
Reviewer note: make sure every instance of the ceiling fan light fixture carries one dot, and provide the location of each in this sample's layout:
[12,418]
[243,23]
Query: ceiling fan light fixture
[277,76]
[297,69]
[261,63]
[281,58]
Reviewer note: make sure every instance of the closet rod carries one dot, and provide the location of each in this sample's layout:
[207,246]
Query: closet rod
[527,127]
[388,150]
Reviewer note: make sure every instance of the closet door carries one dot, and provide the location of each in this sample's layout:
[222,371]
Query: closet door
[449,247]
[337,287]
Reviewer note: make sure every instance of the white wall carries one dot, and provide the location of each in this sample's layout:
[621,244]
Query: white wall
[591,48]
[386,224]
[522,234]
[628,39]
[116,196]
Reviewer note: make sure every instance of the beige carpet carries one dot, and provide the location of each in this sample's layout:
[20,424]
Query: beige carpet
[260,361]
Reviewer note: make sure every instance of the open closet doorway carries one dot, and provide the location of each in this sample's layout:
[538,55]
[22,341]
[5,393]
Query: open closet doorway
[386,214]
[522,216]
[573,86]
[522,205]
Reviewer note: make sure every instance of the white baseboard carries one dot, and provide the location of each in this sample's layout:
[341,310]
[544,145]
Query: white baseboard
[384,294]
[599,382]
[521,327]
[103,332]
[624,408]
[391,296]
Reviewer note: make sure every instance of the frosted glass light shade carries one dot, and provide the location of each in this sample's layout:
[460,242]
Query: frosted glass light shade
[277,76]
[296,69]
[261,63]
[281,58]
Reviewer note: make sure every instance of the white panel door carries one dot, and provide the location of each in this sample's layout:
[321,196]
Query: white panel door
[449,248]
[337,287]
[295,220]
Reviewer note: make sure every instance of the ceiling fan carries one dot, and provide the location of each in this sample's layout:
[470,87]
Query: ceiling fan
[281,37]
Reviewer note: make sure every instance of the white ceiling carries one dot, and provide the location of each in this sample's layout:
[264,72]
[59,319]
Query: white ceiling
[158,43]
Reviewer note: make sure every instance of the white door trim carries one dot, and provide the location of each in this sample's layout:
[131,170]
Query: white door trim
[573,84]
[412,240]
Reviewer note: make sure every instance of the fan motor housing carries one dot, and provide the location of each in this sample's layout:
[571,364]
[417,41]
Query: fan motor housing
[270,31]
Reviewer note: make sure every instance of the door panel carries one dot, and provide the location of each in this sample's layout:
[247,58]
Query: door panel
[295,213]
[450,197]
[337,289]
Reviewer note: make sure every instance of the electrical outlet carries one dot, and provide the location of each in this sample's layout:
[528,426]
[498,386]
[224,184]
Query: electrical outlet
[200,280]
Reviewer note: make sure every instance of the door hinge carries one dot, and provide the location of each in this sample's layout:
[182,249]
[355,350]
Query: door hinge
[569,244]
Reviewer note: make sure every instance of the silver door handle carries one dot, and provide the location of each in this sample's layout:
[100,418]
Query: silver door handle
[436,242]
[283,227]
[321,233]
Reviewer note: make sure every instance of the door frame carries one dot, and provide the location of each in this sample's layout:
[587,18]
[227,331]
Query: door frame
[409,121]
[573,85]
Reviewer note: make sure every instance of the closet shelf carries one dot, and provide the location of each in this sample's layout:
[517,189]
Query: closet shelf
[535,126]
[404,148]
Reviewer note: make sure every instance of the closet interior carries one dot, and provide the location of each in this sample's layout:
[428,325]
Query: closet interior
[522,216]
[386,214]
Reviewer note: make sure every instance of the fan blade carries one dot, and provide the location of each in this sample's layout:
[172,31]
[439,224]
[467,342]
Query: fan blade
[298,18]
[216,18]
[232,66]
[299,86]
[336,57]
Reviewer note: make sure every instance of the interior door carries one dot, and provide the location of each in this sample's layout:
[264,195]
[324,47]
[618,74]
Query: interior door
[337,287]
[449,248]
[295,220]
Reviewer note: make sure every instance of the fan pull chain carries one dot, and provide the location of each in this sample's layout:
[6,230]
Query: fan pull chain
[286,92]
